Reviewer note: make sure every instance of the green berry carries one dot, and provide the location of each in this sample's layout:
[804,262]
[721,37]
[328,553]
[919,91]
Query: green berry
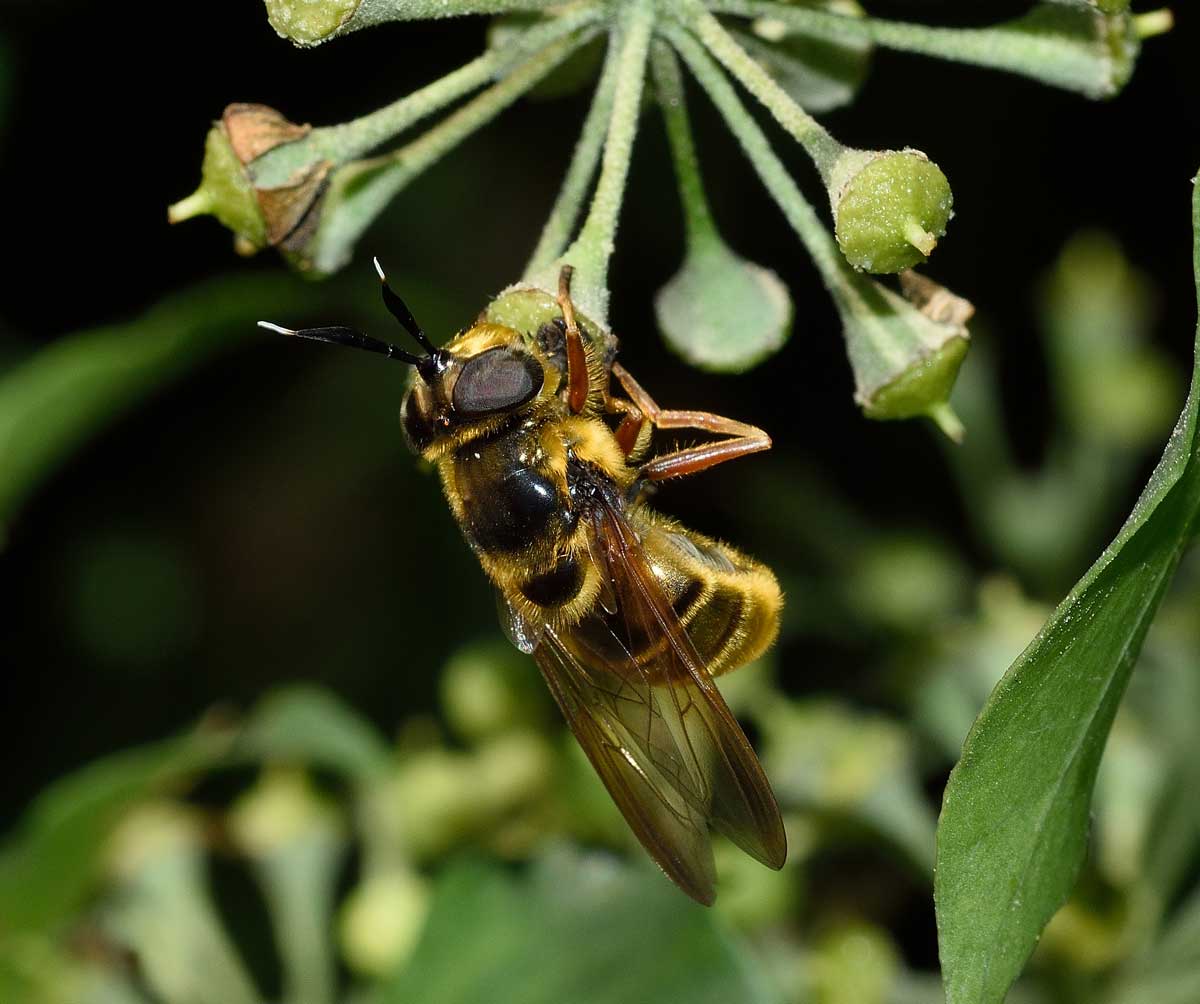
[889,208]
[309,22]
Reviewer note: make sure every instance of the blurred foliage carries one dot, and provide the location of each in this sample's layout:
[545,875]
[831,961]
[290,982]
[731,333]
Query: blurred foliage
[477,854]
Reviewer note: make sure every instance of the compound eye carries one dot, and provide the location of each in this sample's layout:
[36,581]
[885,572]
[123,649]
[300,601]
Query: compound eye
[496,380]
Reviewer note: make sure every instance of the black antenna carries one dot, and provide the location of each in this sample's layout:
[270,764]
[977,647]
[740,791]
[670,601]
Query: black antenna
[428,365]
[400,311]
[348,336]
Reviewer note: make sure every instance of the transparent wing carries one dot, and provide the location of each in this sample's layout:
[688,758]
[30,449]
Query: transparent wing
[645,710]
[616,723]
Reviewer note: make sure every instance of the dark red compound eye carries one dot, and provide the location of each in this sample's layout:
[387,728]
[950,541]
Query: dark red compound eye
[496,380]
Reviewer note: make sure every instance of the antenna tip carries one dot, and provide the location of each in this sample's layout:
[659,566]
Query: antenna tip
[278,329]
[379,270]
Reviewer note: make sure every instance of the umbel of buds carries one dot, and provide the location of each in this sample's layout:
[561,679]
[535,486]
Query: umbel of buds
[311,192]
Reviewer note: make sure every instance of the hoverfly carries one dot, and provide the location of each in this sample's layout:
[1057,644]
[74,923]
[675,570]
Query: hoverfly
[543,444]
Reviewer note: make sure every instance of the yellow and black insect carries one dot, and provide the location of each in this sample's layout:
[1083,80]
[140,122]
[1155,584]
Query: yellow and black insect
[543,443]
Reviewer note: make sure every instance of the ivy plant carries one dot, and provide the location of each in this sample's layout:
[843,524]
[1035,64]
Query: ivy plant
[311,192]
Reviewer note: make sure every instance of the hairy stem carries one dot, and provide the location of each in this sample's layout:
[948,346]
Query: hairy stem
[351,140]
[592,249]
[807,131]
[668,84]
[796,208]
[557,231]
[1047,45]
[360,191]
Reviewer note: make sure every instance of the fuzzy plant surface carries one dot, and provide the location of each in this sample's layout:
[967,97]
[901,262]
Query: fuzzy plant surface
[310,193]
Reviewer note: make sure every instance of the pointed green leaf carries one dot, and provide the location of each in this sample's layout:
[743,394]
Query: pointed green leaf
[1014,820]
[583,929]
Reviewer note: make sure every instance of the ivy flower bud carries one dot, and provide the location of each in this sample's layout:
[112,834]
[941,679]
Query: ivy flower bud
[382,919]
[905,350]
[889,208]
[309,22]
[282,809]
[279,215]
[721,312]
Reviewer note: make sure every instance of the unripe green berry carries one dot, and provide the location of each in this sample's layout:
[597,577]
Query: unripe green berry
[922,388]
[905,350]
[382,919]
[889,208]
[309,22]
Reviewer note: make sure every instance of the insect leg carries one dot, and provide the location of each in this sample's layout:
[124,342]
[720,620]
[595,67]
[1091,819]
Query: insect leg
[577,371]
[744,439]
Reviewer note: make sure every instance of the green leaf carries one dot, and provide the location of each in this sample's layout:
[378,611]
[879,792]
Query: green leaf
[583,929]
[54,401]
[307,725]
[54,859]
[1014,819]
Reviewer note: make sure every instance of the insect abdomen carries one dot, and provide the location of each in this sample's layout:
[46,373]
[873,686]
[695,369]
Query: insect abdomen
[728,603]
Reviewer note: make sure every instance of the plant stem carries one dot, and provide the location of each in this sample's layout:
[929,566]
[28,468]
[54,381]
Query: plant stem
[592,249]
[1033,45]
[373,12]
[819,144]
[360,191]
[796,208]
[557,230]
[668,84]
[351,140]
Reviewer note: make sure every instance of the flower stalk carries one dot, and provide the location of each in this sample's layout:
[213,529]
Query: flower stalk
[349,141]
[889,207]
[561,223]
[719,311]
[904,361]
[359,191]
[1078,48]
[592,250]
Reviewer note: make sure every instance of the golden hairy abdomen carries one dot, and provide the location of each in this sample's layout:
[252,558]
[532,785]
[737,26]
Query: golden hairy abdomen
[728,603]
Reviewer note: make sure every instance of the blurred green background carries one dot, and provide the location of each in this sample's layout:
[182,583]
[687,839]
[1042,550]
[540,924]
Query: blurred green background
[230,517]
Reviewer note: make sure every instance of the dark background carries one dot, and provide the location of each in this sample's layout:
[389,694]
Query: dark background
[265,505]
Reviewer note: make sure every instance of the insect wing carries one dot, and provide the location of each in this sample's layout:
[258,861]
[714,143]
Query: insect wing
[616,722]
[655,726]
[714,750]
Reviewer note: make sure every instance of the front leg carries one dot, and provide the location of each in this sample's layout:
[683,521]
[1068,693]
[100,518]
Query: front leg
[577,370]
[745,439]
